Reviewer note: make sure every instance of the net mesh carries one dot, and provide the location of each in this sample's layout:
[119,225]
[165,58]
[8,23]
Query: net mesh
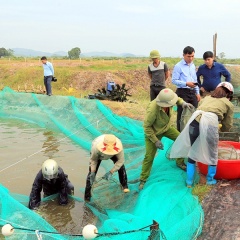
[107,194]
[164,198]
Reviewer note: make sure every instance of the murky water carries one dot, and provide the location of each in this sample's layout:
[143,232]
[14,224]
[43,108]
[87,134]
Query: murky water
[228,152]
[20,140]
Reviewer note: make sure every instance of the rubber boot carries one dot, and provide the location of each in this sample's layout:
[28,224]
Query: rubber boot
[210,176]
[190,174]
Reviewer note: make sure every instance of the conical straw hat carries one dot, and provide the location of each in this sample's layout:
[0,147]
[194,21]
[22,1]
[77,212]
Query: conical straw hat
[110,145]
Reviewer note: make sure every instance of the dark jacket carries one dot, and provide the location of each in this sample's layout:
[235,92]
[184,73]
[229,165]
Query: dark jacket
[58,185]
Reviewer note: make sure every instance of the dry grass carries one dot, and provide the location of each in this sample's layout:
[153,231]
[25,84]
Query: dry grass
[201,190]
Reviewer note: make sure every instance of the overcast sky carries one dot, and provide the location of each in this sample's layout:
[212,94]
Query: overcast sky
[134,26]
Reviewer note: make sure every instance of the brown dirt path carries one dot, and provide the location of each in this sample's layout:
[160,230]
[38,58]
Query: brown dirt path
[222,212]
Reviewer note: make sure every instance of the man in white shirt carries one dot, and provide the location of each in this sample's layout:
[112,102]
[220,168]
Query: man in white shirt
[48,75]
[185,78]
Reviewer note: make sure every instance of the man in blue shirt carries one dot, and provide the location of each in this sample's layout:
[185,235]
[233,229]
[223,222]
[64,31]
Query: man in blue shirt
[48,75]
[211,72]
[185,78]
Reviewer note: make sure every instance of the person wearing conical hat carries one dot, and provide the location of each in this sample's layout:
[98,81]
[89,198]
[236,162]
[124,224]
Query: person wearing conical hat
[157,124]
[105,147]
[158,73]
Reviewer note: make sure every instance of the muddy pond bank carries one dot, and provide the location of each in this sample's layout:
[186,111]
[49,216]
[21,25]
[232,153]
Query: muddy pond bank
[222,212]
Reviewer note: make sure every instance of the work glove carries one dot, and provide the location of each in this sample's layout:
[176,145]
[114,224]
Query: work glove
[159,144]
[188,105]
[92,177]
[107,176]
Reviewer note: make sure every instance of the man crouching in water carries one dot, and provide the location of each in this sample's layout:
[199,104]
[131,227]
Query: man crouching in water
[51,179]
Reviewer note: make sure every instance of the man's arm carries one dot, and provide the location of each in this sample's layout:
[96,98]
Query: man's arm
[227,122]
[119,163]
[176,77]
[199,74]
[35,195]
[51,68]
[194,78]
[63,196]
[94,158]
[179,101]
[166,71]
[148,122]
[226,74]
[149,73]
[167,75]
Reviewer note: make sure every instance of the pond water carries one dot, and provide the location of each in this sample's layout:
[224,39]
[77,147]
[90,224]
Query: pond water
[23,149]
[228,153]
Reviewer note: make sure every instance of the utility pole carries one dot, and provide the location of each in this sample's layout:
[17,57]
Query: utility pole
[215,46]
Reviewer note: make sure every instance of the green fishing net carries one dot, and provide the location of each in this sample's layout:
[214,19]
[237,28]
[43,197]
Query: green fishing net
[164,198]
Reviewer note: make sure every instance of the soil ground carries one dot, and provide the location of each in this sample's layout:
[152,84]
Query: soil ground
[222,212]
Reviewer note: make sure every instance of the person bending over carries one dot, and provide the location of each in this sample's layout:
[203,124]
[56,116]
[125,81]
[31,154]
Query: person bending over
[157,124]
[106,147]
[199,139]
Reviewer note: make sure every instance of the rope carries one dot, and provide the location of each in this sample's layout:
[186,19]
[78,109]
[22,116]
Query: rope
[199,227]
[80,235]
[126,232]
[43,149]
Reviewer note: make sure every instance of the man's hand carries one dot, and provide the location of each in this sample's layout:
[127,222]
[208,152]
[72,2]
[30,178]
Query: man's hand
[198,97]
[187,105]
[107,176]
[92,177]
[159,145]
[190,84]
[202,89]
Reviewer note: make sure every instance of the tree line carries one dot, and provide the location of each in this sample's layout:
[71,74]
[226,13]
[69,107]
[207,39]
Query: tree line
[74,53]
[6,52]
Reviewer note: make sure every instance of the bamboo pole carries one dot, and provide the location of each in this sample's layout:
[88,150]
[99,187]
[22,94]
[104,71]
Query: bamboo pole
[215,45]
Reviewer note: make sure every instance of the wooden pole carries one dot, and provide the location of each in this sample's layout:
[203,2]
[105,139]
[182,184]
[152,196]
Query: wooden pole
[215,45]
[154,231]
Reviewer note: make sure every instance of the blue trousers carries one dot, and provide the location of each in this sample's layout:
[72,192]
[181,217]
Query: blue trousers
[47,83]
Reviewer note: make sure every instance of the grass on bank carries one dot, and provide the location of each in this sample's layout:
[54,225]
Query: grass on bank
[201,191]
[28,71]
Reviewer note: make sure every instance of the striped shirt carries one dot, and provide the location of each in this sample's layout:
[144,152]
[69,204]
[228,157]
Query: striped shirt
[158,73]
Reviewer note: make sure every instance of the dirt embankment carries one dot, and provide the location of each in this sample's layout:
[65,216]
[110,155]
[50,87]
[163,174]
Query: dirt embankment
[136,80]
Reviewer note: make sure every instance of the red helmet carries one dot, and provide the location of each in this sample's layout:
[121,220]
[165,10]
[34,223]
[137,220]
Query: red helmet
[226,85]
